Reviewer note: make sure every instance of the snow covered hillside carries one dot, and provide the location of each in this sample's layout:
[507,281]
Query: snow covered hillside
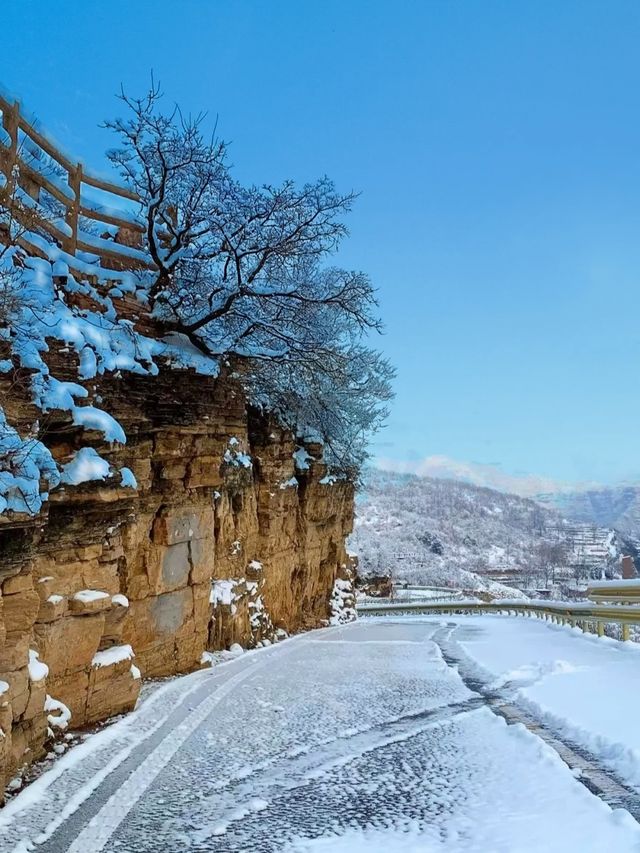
[449,533]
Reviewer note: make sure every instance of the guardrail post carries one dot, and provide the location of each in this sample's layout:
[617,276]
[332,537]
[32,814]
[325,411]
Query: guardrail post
[600,628]
[625,631]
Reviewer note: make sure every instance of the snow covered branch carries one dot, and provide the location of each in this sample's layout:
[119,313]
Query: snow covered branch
[241,271]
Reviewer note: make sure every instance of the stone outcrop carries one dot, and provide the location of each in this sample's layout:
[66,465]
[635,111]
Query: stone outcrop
[218,538]
[375,586]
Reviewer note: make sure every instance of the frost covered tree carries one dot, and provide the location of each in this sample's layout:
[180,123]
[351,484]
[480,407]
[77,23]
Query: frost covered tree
[243,271]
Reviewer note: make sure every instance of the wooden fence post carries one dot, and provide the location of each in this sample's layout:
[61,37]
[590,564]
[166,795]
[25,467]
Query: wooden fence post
[73,211]
[10,122]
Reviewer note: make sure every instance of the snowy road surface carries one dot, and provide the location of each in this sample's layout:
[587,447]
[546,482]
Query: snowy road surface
[347,739]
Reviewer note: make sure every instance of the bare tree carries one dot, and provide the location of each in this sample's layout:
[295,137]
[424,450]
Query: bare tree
[241,272]
[551,555]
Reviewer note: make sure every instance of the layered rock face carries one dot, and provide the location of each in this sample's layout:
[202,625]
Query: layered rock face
[226,530]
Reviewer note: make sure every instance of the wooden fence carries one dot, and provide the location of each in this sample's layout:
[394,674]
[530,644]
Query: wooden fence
[23,145]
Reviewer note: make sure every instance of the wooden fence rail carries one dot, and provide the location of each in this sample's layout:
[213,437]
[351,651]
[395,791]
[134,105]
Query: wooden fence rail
[22,145]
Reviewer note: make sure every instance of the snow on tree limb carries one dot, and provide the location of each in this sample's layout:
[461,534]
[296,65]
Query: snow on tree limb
[242,271]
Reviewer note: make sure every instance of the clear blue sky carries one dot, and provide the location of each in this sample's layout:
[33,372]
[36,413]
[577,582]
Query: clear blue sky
[497,148]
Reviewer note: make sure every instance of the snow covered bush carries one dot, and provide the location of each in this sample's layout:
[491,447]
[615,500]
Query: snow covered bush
[25,463]
[234,593]
[342,602]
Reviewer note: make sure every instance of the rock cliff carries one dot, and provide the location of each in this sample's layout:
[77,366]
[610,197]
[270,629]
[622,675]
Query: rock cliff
[148,512]
[216,528]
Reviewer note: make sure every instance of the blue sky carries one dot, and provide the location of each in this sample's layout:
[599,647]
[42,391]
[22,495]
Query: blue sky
[497,149]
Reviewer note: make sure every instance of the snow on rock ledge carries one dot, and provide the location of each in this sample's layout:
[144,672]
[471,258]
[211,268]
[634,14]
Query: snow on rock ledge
[24,464]
[86,465]
[38,671]
[114,655]
[59,715]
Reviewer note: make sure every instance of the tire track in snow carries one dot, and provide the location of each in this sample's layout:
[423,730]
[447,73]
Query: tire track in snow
[234,797]
[53,797]
[103,824]
[78,826]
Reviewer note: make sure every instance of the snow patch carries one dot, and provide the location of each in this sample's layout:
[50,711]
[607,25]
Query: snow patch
[112,656]
[222,592]
[88,595]
[127,479]
[85,466]
[37,670]
[292,483]
[59,715]
[303,459]
[24,463]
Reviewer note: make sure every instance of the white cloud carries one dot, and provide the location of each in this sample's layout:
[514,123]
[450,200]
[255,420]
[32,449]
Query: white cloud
[527,485]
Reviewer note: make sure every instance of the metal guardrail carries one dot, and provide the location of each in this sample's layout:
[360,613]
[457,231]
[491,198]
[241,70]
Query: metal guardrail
[615,592]
[590,617]
[401,596]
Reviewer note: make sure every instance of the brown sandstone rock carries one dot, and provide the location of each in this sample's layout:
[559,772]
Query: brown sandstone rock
[112,690]
[20,610]
[89,601]
[193,519]
[70,643]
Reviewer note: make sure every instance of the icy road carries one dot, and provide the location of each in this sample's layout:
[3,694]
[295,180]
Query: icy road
[384,735]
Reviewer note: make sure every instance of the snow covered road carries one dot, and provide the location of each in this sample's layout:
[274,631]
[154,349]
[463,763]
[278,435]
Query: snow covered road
[351,738]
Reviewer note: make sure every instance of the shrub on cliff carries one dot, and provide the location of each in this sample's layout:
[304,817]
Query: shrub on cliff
[243,272]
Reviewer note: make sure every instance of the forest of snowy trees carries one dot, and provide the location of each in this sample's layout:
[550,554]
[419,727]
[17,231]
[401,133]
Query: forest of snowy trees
[449,533]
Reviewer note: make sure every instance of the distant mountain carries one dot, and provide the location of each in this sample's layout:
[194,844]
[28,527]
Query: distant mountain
[616,506]
[588,503]
[444,532]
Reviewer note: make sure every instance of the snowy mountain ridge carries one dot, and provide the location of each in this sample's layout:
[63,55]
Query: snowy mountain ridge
[616,506]
[609,506]
[449,533]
